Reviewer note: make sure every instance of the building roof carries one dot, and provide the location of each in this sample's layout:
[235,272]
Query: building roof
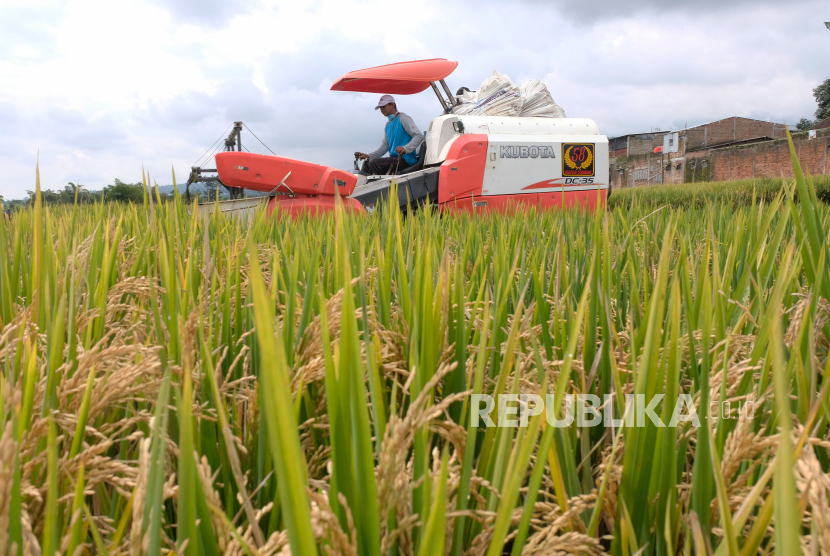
[741,118]
[822,124]
[761,139]
[651,134]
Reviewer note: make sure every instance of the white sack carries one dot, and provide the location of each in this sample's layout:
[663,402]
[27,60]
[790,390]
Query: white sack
[499,96]
[538,101]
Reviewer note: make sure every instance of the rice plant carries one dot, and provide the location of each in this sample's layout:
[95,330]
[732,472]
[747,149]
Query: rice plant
[180,385]
[734,193]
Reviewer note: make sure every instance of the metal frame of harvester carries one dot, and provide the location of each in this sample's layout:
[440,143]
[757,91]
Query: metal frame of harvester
[233,142]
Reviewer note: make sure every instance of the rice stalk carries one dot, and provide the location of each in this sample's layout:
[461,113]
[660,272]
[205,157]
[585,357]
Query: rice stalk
[173,384]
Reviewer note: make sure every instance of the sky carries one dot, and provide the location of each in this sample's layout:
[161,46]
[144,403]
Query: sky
[94,90]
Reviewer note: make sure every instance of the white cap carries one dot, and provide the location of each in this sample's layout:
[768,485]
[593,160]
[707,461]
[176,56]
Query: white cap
[384,100]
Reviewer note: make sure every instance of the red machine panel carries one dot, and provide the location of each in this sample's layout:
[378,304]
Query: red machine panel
[544,201]
[589,198]
[499,203]
[322,204]
[462,173]
[403,78]
[260,172]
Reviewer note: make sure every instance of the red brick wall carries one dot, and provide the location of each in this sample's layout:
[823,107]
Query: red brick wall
[770,159]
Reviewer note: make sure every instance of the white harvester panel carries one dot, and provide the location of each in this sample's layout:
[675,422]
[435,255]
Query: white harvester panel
[529,155]
[536,164]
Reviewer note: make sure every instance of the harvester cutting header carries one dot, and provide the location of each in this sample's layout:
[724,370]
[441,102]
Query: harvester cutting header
[494,148]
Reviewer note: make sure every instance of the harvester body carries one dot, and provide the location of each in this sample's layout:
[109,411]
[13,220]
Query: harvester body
[467,162]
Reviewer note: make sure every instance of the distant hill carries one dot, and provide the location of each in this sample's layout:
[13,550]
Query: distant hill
[169,188]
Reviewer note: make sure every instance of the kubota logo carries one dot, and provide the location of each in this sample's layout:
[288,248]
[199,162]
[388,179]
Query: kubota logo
[527,151]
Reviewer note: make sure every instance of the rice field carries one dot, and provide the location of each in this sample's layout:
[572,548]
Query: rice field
[176,385]
[734,193]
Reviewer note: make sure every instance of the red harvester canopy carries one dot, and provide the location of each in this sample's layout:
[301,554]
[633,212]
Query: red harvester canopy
[403,78]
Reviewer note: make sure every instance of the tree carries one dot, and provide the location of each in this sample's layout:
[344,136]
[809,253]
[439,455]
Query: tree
[125,192]
[822,96]
[14,204]
[47,196]
[804,124]
[208,191]
[119,192]
[72,190]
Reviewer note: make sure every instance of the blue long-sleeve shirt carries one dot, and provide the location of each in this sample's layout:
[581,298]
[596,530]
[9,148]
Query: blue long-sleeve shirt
[392,139]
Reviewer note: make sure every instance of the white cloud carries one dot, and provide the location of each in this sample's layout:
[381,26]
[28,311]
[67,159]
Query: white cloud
[100,88]
[592,11]
[209,13]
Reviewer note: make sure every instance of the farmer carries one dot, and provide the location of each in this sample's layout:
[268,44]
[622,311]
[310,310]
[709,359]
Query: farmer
[402,139]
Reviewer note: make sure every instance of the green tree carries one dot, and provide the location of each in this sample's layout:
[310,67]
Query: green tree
[822,96]
[124,192]
[804,124]
[118,192]
[83,195]
[49,197]
[207,191]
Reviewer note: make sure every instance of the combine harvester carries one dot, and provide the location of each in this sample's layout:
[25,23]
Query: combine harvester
[467,162]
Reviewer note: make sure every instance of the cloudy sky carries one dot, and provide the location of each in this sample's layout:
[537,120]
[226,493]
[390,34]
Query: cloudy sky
[101,87]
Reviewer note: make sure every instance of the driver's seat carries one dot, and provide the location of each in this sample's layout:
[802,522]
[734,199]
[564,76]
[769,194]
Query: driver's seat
[422,155]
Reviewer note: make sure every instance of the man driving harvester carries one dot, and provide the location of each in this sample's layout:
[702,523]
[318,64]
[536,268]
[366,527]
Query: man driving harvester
[402,139]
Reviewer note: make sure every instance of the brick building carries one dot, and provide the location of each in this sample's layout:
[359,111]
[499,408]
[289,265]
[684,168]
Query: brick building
[633,161]
[762,159]
[731,131]
[728,149]
[823,124]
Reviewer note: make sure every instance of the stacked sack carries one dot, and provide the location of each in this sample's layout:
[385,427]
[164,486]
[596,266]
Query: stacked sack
[538,102]
[499,96]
